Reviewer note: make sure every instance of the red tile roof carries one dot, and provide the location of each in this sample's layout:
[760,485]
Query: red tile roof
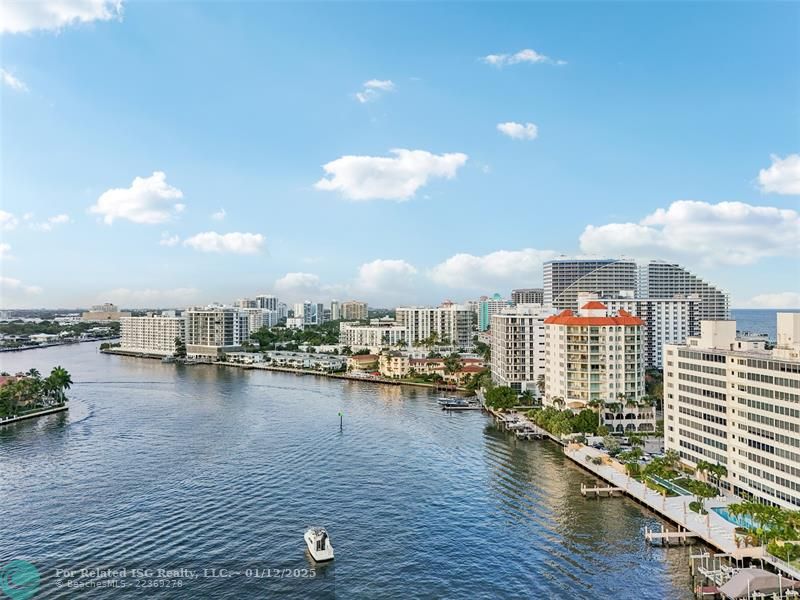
[567,318]
[594,305]
[471,369]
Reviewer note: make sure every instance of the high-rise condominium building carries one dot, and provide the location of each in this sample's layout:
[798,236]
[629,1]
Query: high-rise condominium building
[487,307]
[527,296]
[659,279]
[335,310]
[518,346]
[153,334]
[730,401]
[353,310]
[596,359]
[260,317]
[379,333]
[312,313]
[214,330]
[565,278]
[246,303]
[666,320]
[451,323]
[267,301]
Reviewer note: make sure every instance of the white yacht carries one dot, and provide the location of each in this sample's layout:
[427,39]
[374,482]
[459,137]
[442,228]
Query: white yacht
[319,544]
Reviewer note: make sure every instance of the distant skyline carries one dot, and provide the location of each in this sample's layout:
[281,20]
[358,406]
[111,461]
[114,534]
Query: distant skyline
[164,154]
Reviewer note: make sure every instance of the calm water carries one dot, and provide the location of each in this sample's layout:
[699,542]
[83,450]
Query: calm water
[158,466]
[758,320]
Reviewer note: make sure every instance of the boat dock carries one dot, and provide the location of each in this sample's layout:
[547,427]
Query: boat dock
[665,537]
[600,491]
[520,426]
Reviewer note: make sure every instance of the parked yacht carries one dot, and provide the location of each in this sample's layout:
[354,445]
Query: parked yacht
[319,544]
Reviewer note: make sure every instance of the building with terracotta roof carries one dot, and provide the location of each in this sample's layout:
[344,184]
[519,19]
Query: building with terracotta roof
[595,358]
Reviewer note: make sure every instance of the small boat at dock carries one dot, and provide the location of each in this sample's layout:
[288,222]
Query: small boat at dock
[319,544]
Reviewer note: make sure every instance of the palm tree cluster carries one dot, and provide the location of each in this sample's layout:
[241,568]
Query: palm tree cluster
[30,390]
[772,526]
[714,472]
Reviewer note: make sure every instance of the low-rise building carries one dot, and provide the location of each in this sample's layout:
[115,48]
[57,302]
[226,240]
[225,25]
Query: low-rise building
[362,362]
[303,360]
[394,364]
[732,402]
[104,312]
[378,333]
[152,334]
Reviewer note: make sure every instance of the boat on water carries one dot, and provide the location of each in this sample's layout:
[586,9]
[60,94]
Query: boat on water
[450,402]
[319,544]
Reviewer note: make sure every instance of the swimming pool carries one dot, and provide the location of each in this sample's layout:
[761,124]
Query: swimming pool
[741,520]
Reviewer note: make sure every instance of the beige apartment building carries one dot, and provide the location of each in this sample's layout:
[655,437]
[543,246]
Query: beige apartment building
[152,334]
[353,310]
[733,402]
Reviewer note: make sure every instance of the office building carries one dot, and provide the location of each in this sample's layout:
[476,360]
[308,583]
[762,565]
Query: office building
[527,296]
[450,324]
[732,402]
[660,279]
[353,310]
[595,359]
[564,279]
[152,334]
[487,307]
[518,347]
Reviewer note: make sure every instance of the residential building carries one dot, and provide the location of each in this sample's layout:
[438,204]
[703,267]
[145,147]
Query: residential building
[660,279]
[565,278]
[306,360]
[295,323]
[450,323]
[394,364]
[335,310]
[260,317]
[283,310]
[104,312]
[362,362]
[312,313]
[267,301]
[518,347]
[527,296]
[730,401]
[487,307]
[214,330]
[378,333]
[246,303]
[666,320]
[353,310]
[595,359]
[152,334]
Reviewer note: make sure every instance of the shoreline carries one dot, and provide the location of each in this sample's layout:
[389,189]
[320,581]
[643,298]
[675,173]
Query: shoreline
[264,367]
[38,413]
[69,343]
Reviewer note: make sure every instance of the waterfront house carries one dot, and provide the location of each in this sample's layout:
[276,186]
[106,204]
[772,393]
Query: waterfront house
[362,362]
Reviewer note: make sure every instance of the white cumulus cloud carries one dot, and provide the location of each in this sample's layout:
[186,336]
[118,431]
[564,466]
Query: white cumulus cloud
[394,178]
[8,221]
[782,176]
[169,240]
[19,16]
[523,56]
[494,271]
[381,274]
[149,200]
[519,131]
[13,82]
[233,243]
[299,286]
[9,285]
[777,300]
[51,222]
[219,215]
[374,89]
[726,233]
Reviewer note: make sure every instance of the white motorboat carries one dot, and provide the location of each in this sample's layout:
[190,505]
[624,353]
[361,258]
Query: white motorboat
[319,544]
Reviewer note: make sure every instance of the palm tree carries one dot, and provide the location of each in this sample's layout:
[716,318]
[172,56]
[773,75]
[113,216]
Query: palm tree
[34,373]
[540,384]
[61,381]
[401,344]
[558,402]
[526,398]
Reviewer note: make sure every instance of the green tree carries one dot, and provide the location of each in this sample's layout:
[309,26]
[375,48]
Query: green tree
[501,397]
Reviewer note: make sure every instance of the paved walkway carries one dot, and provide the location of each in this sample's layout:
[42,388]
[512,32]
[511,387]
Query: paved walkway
[712,528]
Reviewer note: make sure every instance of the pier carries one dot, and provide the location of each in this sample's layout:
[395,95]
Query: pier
[600,491]
[667,537]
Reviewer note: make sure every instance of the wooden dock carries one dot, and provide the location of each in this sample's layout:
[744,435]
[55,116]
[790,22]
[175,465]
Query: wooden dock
[600,491]
[665,537]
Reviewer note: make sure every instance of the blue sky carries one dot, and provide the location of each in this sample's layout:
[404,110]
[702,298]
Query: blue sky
[523,131]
